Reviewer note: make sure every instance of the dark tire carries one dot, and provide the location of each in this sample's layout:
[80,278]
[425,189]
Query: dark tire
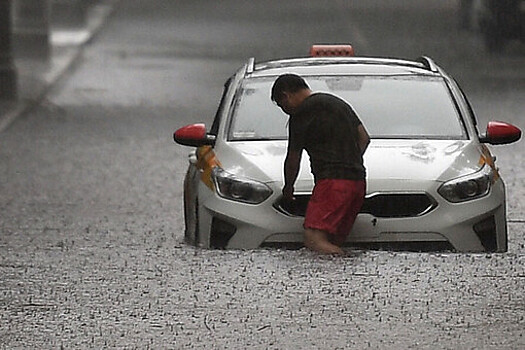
[196,235]
[191,232]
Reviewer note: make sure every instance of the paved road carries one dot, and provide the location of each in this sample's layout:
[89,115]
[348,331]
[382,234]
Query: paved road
[91,252]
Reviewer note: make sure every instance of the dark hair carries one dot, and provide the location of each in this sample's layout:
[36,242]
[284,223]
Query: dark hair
[287,83]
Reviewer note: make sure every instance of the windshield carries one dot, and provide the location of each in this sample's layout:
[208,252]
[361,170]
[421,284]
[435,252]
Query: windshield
[389,107]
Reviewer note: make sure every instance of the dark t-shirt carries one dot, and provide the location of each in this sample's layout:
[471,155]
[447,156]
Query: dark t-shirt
[326,127]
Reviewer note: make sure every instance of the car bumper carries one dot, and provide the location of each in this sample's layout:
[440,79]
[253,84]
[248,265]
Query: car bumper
[474,226]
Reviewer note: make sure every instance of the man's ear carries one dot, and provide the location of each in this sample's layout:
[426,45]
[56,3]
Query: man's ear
[290,96]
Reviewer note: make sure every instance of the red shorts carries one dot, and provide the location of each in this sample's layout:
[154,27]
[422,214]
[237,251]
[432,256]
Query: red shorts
[334,205]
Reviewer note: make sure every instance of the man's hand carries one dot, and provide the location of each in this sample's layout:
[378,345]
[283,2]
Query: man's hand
[288,194]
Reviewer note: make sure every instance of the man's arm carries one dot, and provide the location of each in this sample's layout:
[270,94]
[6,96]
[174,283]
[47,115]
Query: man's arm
[363,139]
[291,171]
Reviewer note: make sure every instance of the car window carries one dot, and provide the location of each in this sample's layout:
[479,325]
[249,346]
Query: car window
[406,106]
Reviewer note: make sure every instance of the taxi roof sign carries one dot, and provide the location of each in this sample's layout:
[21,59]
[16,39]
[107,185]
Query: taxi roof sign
[331,50]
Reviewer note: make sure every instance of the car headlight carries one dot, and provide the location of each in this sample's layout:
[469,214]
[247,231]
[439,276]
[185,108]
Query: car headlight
[468,187]
[239,189]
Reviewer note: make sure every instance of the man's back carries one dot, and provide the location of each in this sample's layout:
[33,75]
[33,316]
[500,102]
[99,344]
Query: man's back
[326,126]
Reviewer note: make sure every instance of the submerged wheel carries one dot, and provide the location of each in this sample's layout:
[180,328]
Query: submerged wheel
[191,224]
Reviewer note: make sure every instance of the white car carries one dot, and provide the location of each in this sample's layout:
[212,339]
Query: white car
[431,180]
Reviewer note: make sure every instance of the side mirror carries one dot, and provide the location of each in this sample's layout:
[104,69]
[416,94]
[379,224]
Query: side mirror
[500,133]
[193,135]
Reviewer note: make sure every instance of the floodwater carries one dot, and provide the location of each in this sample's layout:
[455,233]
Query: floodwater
[91,252]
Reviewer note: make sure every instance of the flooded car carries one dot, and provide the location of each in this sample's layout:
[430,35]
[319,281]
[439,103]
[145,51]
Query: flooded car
[431,178]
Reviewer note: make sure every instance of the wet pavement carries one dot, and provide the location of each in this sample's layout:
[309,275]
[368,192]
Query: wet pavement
[161,296]
[91,226]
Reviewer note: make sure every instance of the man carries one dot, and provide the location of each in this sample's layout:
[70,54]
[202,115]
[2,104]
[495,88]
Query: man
[335,139]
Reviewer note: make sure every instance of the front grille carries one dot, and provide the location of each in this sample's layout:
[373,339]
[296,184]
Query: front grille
[381,205]
[394,205]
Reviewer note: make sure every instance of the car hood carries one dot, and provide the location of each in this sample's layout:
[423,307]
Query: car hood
[419,160]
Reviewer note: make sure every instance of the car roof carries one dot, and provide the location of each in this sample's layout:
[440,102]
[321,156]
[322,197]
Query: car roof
[343,65]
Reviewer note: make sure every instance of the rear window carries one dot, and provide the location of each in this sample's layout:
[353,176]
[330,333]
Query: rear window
[389,107]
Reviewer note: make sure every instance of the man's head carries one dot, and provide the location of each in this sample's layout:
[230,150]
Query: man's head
[289,91]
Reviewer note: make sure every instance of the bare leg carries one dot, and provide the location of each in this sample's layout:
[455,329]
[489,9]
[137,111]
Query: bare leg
[318,241]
